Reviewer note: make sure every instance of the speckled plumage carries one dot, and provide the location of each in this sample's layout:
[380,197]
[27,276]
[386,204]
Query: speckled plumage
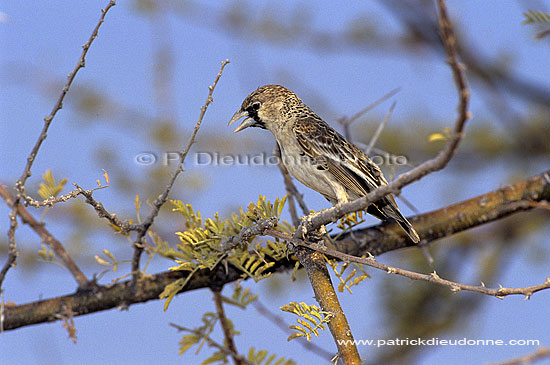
[315,154]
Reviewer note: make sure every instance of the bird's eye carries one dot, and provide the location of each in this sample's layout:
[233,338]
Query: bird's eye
[256,105]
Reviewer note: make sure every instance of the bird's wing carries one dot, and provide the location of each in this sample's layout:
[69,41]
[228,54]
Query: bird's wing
[349,165]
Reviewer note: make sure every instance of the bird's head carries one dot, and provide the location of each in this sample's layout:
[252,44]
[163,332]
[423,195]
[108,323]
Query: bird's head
[266,108]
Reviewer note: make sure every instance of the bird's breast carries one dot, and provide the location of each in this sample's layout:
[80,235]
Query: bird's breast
[305,169]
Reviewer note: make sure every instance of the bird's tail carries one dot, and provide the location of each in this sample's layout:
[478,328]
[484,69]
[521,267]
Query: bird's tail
[392,212]
[407,227]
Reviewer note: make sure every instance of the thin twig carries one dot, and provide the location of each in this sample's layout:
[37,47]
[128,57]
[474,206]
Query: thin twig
[124,226]
[159,202]
[291,200]
[346,122]
[433,277]
[20,184]
[227,329]
[12,248]
[291,191]
[51,201]
[257,229]
[410,205]
[367,151]
[381,126]
[47,238]
[212,343]
[316,220]
[540,353]
[59,104]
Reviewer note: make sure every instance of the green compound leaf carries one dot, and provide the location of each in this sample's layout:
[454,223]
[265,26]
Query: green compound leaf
[310,319]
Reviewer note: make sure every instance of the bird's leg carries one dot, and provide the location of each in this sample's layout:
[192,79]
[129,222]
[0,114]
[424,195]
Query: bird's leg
[305,222]
[317,235]
[303,227]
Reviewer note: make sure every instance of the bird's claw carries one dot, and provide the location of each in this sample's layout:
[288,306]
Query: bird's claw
[314,236]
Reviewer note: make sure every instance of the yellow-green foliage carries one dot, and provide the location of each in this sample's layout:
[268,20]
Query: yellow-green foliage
[112,260]
[349,221]
[310,319]
[261,358]
[540,19]
[202,334]
[48,187]
[240,298]
[45,254]
[353,278]
[203,244]
[536,17]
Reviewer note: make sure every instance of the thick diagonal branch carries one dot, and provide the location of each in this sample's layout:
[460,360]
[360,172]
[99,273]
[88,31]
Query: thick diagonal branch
[46,237]
[451,219]
[326,296]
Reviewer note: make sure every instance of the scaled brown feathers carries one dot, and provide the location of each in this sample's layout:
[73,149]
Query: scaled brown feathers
[317,155]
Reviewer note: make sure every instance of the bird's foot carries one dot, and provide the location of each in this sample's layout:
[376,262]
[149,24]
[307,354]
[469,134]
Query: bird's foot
[314,236]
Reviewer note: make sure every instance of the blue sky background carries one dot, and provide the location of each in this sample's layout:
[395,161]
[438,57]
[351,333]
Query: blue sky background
[40,44]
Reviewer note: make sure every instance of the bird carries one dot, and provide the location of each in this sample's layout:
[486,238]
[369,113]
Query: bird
[317,155]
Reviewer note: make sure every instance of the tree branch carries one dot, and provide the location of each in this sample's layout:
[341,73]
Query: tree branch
[377,240]
[159,202]
[227,329]
[291,191]
[214,344]
[540,353]
[315,264]
[319,278]
[20,184]
[379,130]
[124,226]
[316,220]
[346,122]
[433,277]
[455,218]
[46,237]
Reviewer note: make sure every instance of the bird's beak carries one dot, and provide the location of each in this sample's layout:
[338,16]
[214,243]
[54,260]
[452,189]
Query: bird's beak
[245,124]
